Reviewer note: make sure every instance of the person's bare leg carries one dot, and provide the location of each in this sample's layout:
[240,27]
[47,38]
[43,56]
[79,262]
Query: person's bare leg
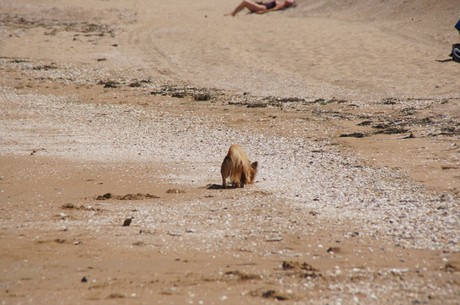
[238,9]
[250,5]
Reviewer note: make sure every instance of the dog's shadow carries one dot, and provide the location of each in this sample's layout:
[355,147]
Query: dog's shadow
[214,186]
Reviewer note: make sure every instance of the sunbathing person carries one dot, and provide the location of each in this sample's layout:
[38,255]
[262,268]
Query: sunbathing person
[262,7]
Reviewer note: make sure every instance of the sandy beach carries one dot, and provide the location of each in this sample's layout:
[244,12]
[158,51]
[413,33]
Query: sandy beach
[114,109]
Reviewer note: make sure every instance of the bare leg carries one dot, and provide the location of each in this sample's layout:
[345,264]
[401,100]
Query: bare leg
[250,5]
[238,9]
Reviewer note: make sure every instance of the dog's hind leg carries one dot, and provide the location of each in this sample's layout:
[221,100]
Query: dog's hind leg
[225,170]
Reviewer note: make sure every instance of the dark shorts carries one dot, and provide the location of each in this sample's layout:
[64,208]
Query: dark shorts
[268,5]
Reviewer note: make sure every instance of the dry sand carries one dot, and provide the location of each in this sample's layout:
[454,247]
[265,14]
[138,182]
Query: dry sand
[120,109]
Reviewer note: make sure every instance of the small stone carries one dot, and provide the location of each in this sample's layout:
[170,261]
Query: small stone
[201,97]
[333,250]
[174,233]
[274,239]
[127,222]
[104,197]
[146,232]
[175,191]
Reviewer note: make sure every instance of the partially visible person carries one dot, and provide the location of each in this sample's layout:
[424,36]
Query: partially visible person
[262,7]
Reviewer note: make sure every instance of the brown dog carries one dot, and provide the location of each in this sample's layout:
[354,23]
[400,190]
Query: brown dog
[237,165]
